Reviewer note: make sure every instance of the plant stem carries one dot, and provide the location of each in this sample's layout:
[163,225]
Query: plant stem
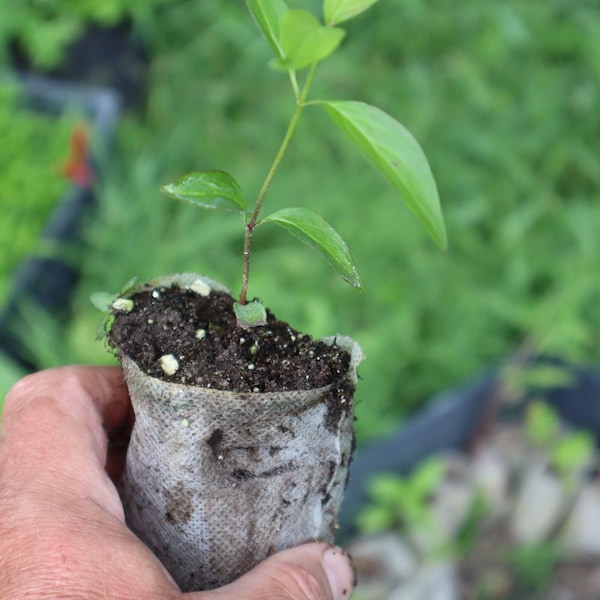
[251,224]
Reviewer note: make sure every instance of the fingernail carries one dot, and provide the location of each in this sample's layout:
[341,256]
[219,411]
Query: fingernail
[339,572]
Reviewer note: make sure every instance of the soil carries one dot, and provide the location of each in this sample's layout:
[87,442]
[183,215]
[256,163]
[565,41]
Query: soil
[212,351]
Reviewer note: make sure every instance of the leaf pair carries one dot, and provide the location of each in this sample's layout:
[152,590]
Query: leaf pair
[269,16]
[297,37]
[219,190]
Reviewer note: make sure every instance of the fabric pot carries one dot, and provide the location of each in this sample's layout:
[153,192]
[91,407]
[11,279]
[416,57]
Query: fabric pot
[216,481]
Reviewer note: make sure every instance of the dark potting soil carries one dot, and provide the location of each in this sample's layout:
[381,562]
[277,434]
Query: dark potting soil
[211,350]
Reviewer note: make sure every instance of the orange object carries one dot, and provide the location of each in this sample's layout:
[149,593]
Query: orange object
[77,168]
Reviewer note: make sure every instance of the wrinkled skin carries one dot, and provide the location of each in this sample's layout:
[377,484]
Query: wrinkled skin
[62,529]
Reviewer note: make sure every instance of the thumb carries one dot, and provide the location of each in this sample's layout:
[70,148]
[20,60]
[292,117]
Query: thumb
[313,571]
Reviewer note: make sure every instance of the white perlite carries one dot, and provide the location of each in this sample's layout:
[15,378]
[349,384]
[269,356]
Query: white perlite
[200,287]
[169,364]
[123,305]
[250,474]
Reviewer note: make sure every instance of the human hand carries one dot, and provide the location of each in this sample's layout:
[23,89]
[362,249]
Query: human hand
[62,528]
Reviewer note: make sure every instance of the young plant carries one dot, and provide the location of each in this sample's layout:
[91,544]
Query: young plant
[401,503]
[569,453]
[300,42]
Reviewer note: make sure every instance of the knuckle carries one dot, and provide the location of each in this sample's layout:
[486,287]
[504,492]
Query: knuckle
[20,391]
[51,383]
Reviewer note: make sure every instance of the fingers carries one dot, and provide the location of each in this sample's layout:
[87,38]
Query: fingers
[54,431]
[309,572]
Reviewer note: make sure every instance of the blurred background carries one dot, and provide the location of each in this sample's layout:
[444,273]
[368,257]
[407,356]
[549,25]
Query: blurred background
[503,96]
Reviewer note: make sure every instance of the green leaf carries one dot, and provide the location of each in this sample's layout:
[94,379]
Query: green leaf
[130,287]
[542,423]
[250,315]
[103,326]
[316,232]
[573,452]
[427,477]
[395,153]
[373,519]
[388,490]
[102,300]
[267,14]
[208,189]
[336,11]
[546,377]
[305,40]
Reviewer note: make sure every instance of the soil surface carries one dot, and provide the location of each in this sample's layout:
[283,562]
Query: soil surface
[203,343]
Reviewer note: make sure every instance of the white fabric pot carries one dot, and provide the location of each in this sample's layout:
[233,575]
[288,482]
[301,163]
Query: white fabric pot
[216,481]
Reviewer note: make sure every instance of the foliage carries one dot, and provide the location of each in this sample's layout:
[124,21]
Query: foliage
[44,29]
[33,146]
[401,502]
[504,99]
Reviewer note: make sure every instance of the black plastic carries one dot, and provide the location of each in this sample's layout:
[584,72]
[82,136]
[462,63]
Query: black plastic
[110,56]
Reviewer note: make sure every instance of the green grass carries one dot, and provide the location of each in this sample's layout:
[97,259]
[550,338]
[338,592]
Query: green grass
[505,99]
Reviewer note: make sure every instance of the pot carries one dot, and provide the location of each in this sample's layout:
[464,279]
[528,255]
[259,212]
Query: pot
[216,480]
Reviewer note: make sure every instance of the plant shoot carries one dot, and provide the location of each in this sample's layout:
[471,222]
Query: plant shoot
[300,41]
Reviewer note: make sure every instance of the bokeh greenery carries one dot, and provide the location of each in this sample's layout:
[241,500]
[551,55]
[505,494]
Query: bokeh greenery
[505,99]
[34,145]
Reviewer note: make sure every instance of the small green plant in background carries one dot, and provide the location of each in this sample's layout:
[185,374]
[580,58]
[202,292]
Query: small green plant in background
[300,42]
[401,503]
[569,452]
[542,424]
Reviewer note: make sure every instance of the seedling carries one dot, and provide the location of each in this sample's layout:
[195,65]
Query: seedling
[300,42]
[402,503]
[542,425]
[569,453]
